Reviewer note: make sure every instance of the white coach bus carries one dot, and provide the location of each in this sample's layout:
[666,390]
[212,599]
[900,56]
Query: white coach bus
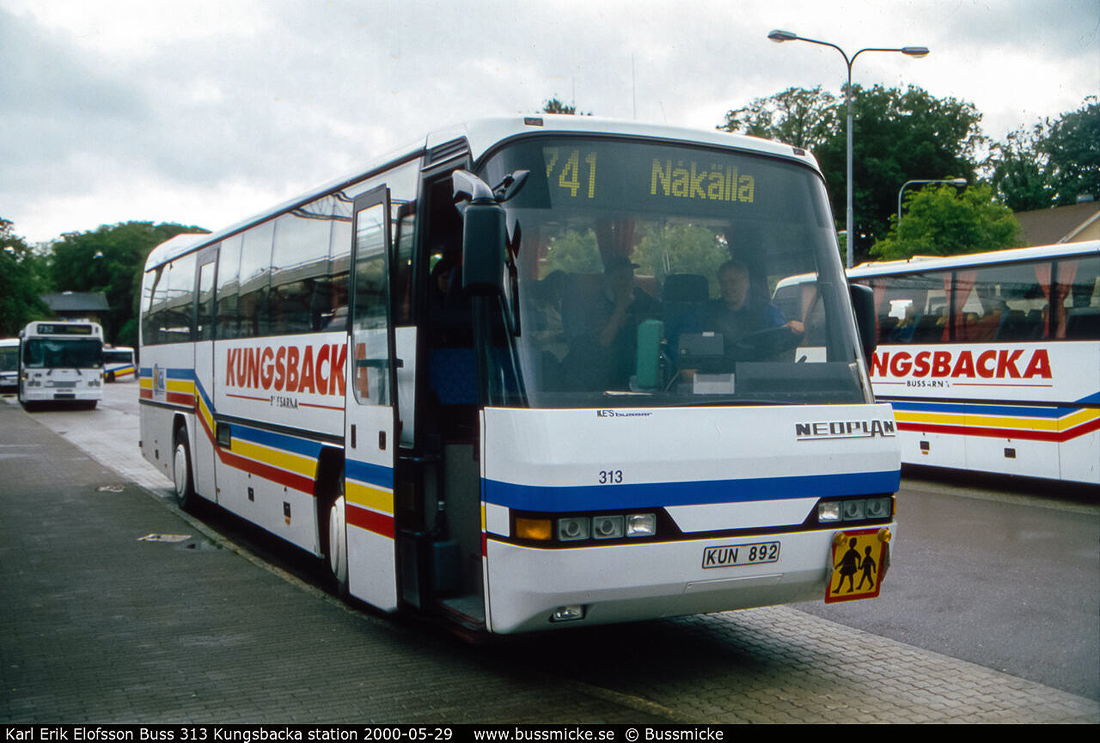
[61,361]
[992,361]
[525,375]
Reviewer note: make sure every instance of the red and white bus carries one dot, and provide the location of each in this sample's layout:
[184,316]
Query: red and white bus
[503,406]
[992,361]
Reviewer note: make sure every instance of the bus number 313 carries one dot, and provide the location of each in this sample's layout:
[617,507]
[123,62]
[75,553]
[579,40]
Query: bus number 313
[610,477]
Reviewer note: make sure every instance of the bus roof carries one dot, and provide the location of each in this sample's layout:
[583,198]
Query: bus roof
[480,138]
[1011,255]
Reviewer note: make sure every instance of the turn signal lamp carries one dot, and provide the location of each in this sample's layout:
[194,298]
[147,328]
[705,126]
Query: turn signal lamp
[537,529]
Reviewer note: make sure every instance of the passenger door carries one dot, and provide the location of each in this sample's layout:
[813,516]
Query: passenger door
[369,439]
[204,451]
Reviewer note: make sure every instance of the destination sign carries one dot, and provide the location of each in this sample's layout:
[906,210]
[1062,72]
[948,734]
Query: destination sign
[575,173]
[58,329]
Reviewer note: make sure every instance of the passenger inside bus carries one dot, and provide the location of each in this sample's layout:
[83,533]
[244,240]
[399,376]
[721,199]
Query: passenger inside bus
[601,321]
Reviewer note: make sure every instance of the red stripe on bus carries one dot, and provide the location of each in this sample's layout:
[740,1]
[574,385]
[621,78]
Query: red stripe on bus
[1005,433]
[372,521]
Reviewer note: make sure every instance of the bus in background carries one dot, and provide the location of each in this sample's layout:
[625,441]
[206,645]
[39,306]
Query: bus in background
[482,381]
[61,361]
[9,364]
[992,361]
[118,363]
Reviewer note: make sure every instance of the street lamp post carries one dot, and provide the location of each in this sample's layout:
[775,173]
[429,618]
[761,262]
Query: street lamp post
[912,51]
[956,182]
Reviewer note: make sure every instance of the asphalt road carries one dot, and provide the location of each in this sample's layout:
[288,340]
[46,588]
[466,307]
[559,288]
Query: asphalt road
[1004,578]
[1005,574]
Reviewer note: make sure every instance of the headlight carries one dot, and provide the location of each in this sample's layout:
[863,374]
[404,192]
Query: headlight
[572,529]
[828,511]
[855,509]
[641,524]
[879,508]
[607,527]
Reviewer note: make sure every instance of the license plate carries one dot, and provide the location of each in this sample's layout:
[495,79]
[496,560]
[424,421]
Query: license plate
[728,555]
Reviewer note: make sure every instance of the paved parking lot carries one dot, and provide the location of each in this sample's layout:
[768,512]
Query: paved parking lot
[119,608]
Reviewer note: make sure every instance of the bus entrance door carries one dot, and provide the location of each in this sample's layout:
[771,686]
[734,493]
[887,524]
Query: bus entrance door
[369,569]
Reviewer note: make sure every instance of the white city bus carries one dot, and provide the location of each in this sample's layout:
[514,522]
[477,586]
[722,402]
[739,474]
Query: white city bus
[118,363]
[61,361]
[992,361]
[505,407]
[9,364]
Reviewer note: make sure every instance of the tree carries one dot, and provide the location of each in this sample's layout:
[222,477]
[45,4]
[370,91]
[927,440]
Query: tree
[797,116]
[1052,164]
[1072,149]
[556,106]
[110,259]
[1019,175]
[898,136]
[946,221]
[21,282]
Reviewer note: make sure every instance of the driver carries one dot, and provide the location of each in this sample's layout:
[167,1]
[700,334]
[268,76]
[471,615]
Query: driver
[737,313]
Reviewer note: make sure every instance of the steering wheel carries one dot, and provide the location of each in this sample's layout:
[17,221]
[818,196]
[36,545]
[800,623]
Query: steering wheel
[764,343]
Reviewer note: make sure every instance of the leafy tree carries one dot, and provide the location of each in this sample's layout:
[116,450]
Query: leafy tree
[556,106]
[1019,175]
[110,259]
[946,221]
[21,282]
[1052,163]
[1072,150]
[797,116]
[899,136]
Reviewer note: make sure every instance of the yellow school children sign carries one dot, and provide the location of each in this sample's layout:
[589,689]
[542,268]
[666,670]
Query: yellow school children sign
[860,558]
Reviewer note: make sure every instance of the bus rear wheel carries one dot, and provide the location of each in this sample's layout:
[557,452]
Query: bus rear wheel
[338,544]
[182,480]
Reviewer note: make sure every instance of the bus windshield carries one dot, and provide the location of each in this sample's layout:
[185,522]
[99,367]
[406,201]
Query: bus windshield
[9,358]
[62,353]
[658,274]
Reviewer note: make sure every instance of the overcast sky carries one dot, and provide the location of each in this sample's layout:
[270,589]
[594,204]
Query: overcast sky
[206,111]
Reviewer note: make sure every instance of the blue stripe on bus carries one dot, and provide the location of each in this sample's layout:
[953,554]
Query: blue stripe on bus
[653,495]
[980,408]
[371,474]
[280,441]
[147,371]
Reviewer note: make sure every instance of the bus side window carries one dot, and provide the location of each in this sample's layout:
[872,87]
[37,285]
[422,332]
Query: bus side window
[255,280]
[227,319]
[1082,303]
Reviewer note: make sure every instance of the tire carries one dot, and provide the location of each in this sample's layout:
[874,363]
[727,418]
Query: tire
[337,547]
[182,478]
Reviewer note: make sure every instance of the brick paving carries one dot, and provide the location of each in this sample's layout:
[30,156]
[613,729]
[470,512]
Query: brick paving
[97,625]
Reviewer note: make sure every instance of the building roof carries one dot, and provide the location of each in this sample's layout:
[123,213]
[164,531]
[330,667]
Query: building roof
[69,302]
[1061,224]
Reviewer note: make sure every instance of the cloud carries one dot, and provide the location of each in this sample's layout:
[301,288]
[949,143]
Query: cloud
[205,111]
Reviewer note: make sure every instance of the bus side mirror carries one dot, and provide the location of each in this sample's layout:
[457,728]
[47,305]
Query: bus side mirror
[484,235]
[863,302]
